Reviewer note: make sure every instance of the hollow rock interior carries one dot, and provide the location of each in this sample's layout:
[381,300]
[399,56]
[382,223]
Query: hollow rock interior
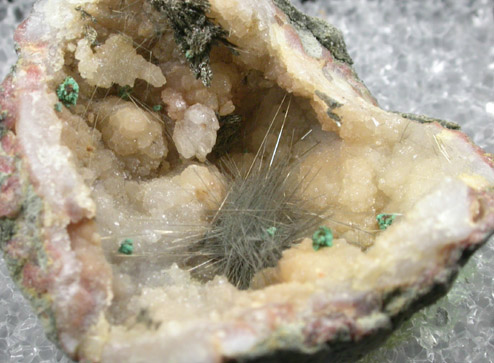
[151,142]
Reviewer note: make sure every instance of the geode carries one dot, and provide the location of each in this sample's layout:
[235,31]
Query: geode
[115,127]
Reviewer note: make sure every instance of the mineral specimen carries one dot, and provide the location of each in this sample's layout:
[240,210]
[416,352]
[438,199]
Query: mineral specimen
[112,167]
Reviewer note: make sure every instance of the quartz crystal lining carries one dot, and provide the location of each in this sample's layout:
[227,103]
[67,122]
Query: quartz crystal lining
[441,66]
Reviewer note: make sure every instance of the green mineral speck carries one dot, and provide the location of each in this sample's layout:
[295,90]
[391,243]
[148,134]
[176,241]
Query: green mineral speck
[323,237]
[384,220]
[58,107]
[157,108]
[124,92]
[271,231]
[68,92]
[126,247]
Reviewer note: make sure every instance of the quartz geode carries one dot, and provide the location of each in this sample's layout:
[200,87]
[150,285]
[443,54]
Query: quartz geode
[136,157]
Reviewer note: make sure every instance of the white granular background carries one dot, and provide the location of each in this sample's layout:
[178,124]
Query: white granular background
[431,57]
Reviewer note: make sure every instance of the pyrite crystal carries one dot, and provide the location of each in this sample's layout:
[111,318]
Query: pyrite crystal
[198,181]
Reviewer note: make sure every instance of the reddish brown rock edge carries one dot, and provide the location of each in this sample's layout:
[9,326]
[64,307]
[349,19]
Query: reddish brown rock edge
[36,252]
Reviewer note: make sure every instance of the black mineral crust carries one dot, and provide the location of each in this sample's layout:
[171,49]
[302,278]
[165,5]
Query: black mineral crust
[329,36]
[427,120]
[195,34]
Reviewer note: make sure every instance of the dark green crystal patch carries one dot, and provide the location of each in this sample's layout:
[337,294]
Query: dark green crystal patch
[68,92]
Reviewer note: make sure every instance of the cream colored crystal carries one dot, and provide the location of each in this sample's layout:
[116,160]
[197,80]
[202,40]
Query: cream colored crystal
[115,61]
[133,134]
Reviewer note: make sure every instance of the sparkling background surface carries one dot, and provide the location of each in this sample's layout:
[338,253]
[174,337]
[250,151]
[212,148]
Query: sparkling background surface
[431,57]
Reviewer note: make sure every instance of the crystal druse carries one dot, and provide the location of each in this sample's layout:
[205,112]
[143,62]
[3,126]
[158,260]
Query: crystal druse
[111,123]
